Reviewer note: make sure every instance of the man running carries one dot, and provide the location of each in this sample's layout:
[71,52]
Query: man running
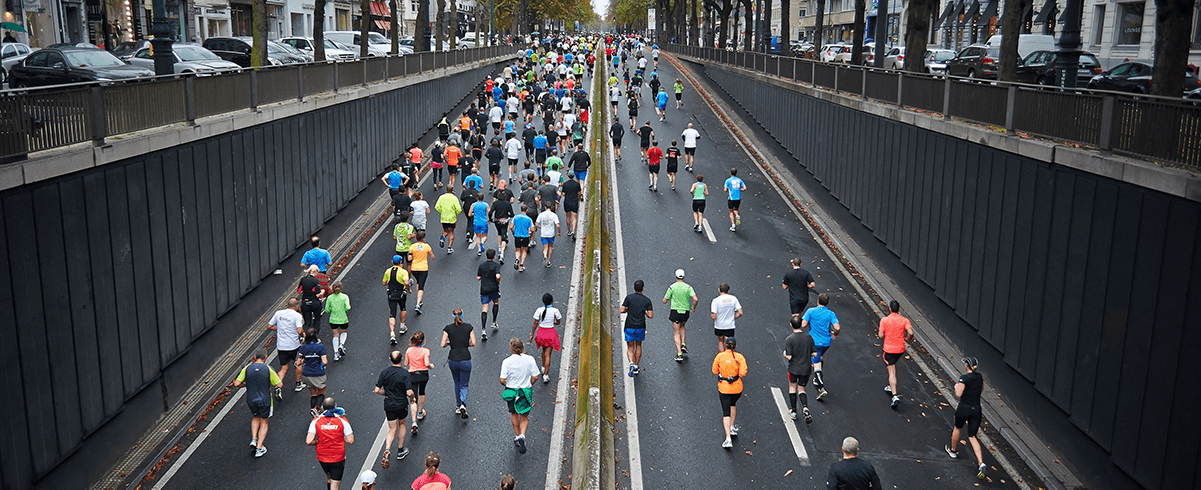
[968,389]
[798,282]
[330,433]
[637,308]
[724,309]
[799,352]
[316,256]
[632,105]
[734,187]
[673,163]
[448,208]
[850,471]
[396,278]
[690,135]
[645,135]
[259,378]
[653,156]
[522,226]
[614,96]
[488,274]
[548,223]
[502,212]
[479,225]
[420,255]
[683,302]
[513,147]
[572,193]
[579,162]
[396,386]
[288,324]
[895,330]
[616,131]
[823,327]
[698,190]
[661,104]
[518,372]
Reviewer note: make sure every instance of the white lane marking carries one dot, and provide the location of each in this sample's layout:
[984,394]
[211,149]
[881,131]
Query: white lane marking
[708,230]
[790,426]
[375,448]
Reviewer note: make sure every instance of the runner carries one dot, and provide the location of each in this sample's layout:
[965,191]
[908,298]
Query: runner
[311,361]
[614,96]
[580,162]
[421,211]
[734,187]
[798,282]
[517,374]
[683,303]
[698,190]
[661,104]
[488,274]
[645,136]
[420,255]
[521,226]
[690,136]
[417,360]
[311,294]
[724,309]
[403,232]
[437,161]
[396,385]
[730,367]
[823,327]
[799,352]
[616,131]
[453,155]
[259,380]
[316,256]
[459,337]
[637,308]
[431,479]
[412,166]
[502,212]
[632,105]
[679,88]
[653,156]
[402,203]
[572,192]
[394,179]
[448,208]
[895,330]
[543,332]
[852,472]
[968,389]
[479,225]
[288,324]
[330,433]
[513,148]
[548,223]
[399,282]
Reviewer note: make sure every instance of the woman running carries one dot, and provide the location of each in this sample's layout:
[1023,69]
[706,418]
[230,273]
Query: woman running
[432,479]
[311,360]
[337,305]
[543,333]
[459,336]
[417,359]
[730,368]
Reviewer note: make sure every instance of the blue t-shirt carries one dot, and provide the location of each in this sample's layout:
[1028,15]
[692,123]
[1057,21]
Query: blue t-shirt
[395,179]
[567,57]
[521,225]
[820,318]
[479,182]
[734,187]
[540,142]
[258,384]
[662,98]
[509,126]
[497,93]
[479,213]
[317,257]
[312,359]
[616,62]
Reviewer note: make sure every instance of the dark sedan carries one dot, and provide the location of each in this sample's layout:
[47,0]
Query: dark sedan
[53,66]
[975,61]
[1135,77]
[1040,68]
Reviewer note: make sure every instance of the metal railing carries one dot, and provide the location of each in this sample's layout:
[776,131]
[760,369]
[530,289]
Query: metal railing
[1161,129]
[50,117]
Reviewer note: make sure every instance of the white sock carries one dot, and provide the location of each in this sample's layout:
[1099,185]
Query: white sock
[342,339]
[336,342]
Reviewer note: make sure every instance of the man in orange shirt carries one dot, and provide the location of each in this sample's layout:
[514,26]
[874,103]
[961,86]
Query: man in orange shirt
[465,127]
[730,368]
[895,330]
[452,154]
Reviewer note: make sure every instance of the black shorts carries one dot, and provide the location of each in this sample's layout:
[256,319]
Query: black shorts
[521,241]
[891,359]
[448,227]
[644,144]
[616,142]
[339,326]
[970,416]
[263,411]
[419,380]
[690,151]
[397,304]
[495,169]
[396,414]
[672,167]
[540,154]
[800,379]
[723,332]
[334,471]
[728,401]
[465,134]
[633,113]
[512,161]
[502,231]
[496,126]
[420,277]
[678,316]
[733,203]
[654,169]
[678,95]
[698,205]
[287,357]
[797,306]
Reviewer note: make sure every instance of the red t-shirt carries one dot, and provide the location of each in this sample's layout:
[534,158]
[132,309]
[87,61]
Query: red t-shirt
[426,482]
[653,155]
[893,327]
[331,438]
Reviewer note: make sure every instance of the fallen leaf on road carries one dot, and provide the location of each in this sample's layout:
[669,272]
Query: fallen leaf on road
[748,453]
[789,472]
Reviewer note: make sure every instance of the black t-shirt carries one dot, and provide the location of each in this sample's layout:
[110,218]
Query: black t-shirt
[973,385]
[673,155]
[580,161]
[632,104]
[505,195]
[798,281]
[549,193]
[528,136]
[636,305]
[488,282]
[501,211]
[852,474]
[396,383]
[458,337]
[528,197]
[616,131]
[402,202]
[309,287]
[645,134]
[495,155]
[571,191]
[799,345]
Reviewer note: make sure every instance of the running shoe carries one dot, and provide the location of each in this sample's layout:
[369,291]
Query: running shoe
[738,219]
[258,453]
[631,373]
[254,443]
[683,348]
[404,451]
[637,370]
[821,393]
[501,260]
[521,445]
[673,187]
[731,227]
[808,416]
[479,252]
[278,393]
[545,379]
[450,251]
[888,389]
[792,414]
[421,414]
[341,350]
[385,462]
[516,264]
[314,412]
[679,357]
[979,475]
[950,452]
[728,443]
[546,262]
[733,431]
[655,188]
[300,386]
[392,338]
[650,187]
[403,329]
[413,428]
[484,336]
[463,411]
[495,327]
[417,309]
[896,400]
[458,409]
[441,242]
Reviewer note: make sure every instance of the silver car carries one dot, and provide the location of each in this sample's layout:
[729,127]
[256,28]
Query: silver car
[936,60]
[11,54]
[190,58]
[333,50]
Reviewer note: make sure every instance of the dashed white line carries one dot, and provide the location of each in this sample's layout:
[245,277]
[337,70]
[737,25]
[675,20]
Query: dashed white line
[790,426]
[708,230]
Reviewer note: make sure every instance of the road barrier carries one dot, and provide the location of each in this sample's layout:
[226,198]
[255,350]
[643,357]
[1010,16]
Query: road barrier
[1162,129]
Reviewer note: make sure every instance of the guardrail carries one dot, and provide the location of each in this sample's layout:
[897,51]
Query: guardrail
[51,117]
[1162,129]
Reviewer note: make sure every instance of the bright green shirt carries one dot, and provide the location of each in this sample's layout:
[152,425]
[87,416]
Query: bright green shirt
[401,234]
[449,207]
[554,163]
[612,80]
[698,192]
[337,305]
[679,87]
[680,294]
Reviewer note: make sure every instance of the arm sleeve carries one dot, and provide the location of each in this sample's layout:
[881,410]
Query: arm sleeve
[242,375]
[274,378]
[875,479]
[742,365]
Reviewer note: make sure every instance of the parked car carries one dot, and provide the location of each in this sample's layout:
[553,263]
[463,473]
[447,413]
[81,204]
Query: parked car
[237,50]
[53,66]
[1027,43]
[377,44]
[895,58]
[1194,95]
[936,60]
[1135,77]
[126,50]
[830,51]
[334,50]
[11,54]
[1040,68]
[190,58]
[975,61]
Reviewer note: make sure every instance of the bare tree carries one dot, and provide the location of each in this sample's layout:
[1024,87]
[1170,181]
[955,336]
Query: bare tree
[364,26]
[421,26]
[1173,20]
[258,30]
[694,27]
[439,26]
[723,13]
[319,30]
[394,31]
[785,26]
[748,25]
[917,32]
[819,27]
[1011,31]
[857,35]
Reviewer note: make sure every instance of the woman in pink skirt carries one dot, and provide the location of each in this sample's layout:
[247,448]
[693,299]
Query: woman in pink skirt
[543,333]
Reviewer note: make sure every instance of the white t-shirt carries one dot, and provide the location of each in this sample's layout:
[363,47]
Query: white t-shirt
[286,321]
[513,148]
[568,121]
[614,94]
[518,369]
[555,176]
[547,321]
[565,103]
[420,209]
[724,305]
[513,104]
[641,62]
[495,114]
[690,136]
[547,220]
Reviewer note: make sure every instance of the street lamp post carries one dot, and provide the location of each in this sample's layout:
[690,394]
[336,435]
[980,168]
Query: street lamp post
[164,59]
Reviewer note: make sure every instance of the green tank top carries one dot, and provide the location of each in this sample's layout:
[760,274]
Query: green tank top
[698,193]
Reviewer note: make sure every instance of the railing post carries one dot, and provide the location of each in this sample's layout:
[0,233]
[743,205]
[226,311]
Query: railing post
[335,78]
[835,87]
[300,83]
[189,100]
[1010,98]
[254,89]
[946,97]
[363,68]
[900,83]
[863,83]
[813,74]
[1105,137]
[99,123]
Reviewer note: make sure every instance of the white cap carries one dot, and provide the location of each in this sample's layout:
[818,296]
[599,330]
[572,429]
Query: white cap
[679,273]
[368,477]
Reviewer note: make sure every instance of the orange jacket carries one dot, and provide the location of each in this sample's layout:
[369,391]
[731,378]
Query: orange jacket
[727,364]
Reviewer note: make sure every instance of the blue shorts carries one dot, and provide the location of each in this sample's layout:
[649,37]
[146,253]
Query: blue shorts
[480,229]
[821,349]
[663,107]
[548,239]
[489,298]
[635,334]
[580,176]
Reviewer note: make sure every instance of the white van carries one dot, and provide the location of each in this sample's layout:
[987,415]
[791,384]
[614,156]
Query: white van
[1027,43]
[377,44]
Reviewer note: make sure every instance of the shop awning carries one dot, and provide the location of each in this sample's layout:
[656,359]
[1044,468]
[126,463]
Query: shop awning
[383,24]
[972,10]
[1046,12]
[990,10]
[946,13]
[380,9]
[959,6]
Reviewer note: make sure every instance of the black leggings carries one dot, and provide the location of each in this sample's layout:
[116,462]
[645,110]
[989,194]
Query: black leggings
[728,400]
[311,311]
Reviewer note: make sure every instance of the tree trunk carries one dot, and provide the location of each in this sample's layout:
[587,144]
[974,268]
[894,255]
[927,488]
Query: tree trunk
[452,26]
[765,27]
[709,32]
[258,29]
[819,28]
[394,32]
[916,34]
[723,34]
[857,34]
[364,26]
[1010,32]
[1173,18]
[693,27]
[439,26]
[421,27]
[319,30]
[748,25]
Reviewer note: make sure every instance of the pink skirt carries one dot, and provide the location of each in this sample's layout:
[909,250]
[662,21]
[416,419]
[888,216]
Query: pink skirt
[547,337]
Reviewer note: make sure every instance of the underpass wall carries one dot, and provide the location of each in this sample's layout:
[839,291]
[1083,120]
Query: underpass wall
[111,273]
[1083,283]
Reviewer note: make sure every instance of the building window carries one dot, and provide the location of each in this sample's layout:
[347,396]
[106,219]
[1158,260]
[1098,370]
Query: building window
[1098,23]
[1130,23]
[413,7]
